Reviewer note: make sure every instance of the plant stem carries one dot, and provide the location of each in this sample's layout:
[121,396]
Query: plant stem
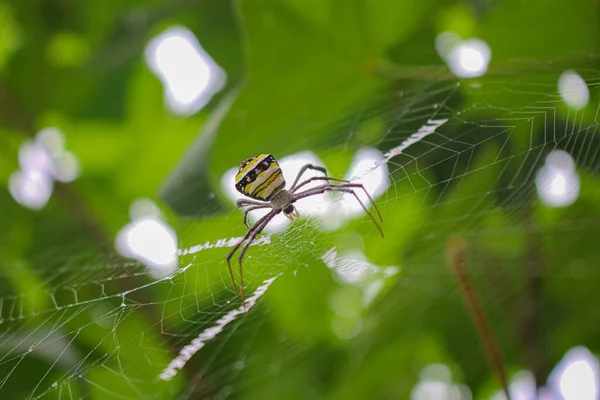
[455,258]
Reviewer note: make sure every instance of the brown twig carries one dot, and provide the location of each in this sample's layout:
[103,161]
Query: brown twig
[455,258]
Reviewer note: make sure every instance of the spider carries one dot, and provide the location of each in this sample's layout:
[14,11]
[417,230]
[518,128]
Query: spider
[261,179]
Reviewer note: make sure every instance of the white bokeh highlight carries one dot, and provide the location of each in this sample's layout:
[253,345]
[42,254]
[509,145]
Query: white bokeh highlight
[189,75]
[149,239]
[30,189]
[576,376]
[42,161]
[33,156]
[521,387]
[375,180]
[465,58]
[353,268]
[557,181]
[436,384]
[573,90]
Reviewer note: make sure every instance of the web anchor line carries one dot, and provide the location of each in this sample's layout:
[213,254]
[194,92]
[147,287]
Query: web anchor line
[221,243]
[423,132]
[430,127]
[188,351]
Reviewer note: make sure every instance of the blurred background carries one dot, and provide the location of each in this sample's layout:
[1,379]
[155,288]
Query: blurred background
[473,124]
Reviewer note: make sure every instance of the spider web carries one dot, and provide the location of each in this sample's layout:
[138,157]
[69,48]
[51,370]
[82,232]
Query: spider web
[325,287]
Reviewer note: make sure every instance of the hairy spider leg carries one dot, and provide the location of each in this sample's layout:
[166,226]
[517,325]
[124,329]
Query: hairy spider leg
[353,193]
[252,208]
[345,188]
[248,243]
[317,178]
[237,246]
[347,184]
[250,234]
[246,202]
[252,205]
[304,168]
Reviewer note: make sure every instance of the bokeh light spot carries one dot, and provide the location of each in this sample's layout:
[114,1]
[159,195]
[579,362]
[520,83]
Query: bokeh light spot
[30,189]
[41,162]
[557,181]
[149,239]
[573,90]
[188,73]
[576,376]
[465,58]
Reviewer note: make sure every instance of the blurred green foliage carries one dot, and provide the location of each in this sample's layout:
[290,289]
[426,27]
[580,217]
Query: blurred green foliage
[332,77]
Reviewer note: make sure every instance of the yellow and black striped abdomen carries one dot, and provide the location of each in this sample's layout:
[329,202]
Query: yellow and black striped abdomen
[260,177]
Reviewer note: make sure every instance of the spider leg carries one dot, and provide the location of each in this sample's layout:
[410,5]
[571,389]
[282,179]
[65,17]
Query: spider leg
[317,178]
[245,202]
[248,243]
[237,246]
[304,168]
[252,208]
[361,186]
[347,184]
[344,183]
[345,188]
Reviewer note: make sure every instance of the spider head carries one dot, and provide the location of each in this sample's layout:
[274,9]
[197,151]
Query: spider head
[291,213]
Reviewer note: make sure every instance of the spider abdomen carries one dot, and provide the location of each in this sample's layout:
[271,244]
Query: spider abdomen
[260,178]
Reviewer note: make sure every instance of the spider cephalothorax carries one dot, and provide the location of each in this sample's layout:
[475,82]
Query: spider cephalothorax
[261,179]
